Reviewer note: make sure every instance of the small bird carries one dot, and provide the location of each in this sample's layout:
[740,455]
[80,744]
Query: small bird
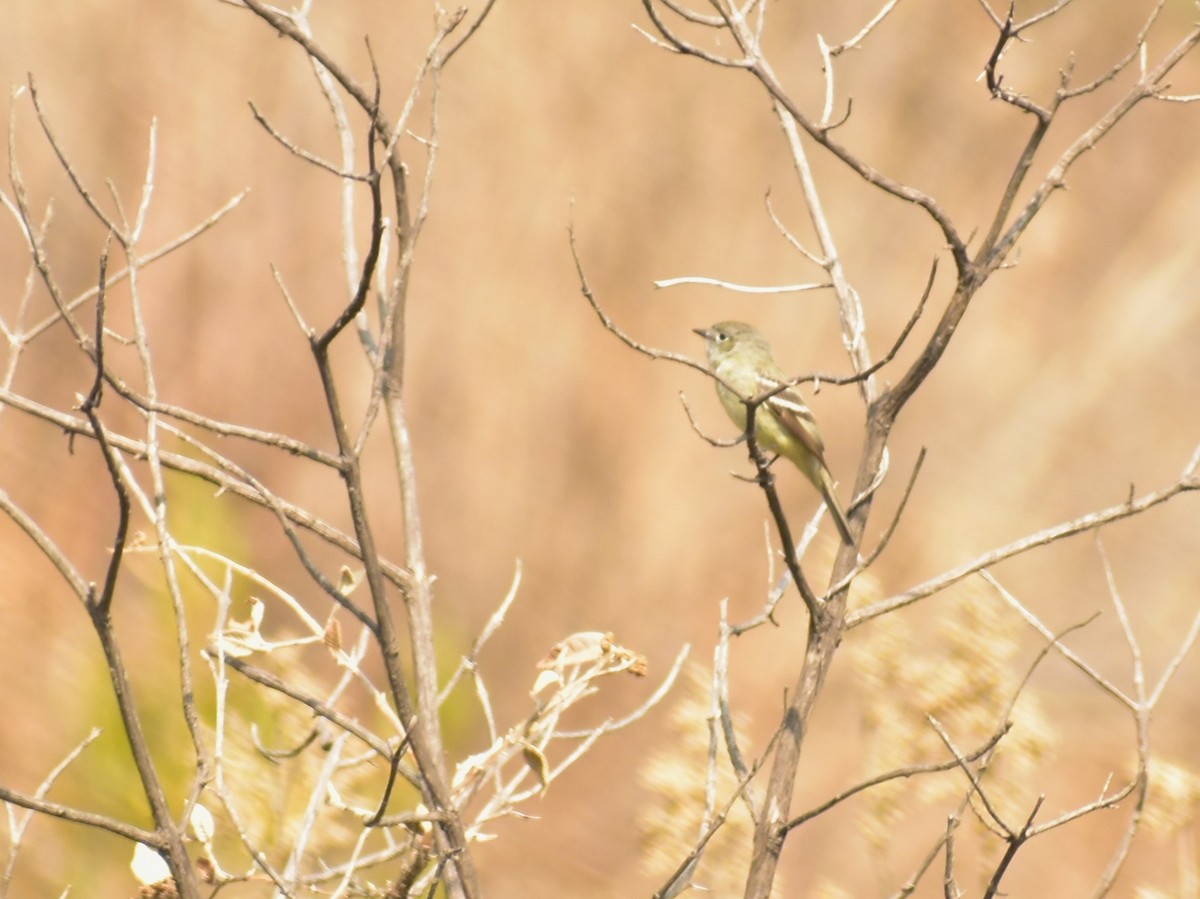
[741,357]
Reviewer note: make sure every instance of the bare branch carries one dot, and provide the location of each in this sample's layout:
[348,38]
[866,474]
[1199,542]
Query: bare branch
[854,42]
[1040,538]
[1072,657]
[218,475]
[111,226]
[1016,841]
[101,822]
[299,151]
[1144,89]
[910,771]
[1185,647]
[681,876]
[47,547]
[271,682]
[740,288]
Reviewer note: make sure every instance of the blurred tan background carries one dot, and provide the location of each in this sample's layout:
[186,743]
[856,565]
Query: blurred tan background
[539,437]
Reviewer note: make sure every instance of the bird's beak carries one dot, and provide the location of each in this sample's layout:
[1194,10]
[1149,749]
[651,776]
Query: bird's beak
[703,332]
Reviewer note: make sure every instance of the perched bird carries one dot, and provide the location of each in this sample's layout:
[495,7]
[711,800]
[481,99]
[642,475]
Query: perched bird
[741,357]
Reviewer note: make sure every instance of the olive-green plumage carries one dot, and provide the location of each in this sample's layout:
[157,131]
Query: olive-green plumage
[741,357]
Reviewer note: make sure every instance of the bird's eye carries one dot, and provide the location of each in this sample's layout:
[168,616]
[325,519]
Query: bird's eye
[722,337]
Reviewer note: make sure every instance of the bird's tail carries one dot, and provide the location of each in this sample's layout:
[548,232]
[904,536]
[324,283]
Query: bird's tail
[835,508]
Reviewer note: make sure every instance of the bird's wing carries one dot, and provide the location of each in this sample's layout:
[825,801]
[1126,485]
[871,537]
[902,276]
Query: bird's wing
[790,409]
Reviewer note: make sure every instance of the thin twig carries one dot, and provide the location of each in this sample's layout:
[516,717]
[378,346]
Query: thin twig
[905,772]
[1044,537]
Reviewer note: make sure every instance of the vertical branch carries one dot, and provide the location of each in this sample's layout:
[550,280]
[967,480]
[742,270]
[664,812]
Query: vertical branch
[771,829]
[100,610]
[1142,709]
[423,728]
[166,543]
[100,605]
[418,599]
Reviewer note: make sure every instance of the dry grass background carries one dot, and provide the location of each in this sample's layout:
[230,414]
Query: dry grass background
[540,438]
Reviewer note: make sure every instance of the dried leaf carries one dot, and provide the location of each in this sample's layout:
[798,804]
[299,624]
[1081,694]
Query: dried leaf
[203,826]
[333,636]
[208,873]
[545,679]
[349,580]
[472,764]
[536,760]
[577,649]
[148,866]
